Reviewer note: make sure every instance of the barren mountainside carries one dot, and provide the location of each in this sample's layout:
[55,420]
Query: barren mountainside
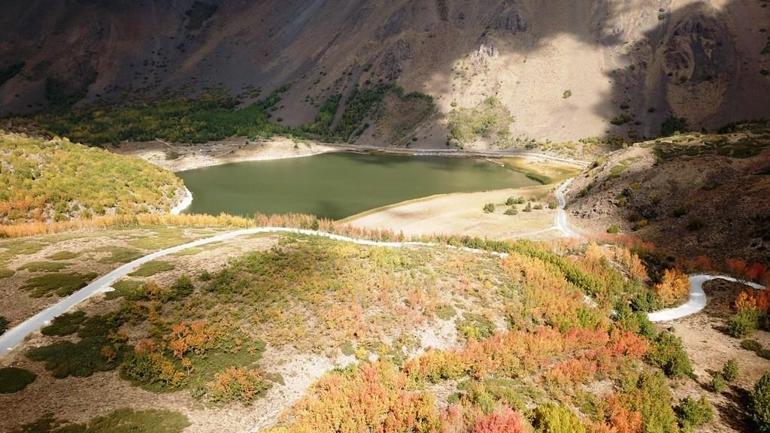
[564,69]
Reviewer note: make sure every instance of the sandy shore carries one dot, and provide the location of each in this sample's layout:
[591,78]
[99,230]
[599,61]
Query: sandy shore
[463,214]
[178,157]
[181,157]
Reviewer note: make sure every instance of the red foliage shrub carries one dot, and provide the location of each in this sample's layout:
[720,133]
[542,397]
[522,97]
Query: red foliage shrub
[503,420]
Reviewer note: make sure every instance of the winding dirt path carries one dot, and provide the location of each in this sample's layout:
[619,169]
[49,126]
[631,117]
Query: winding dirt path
[17,334]
[697,300]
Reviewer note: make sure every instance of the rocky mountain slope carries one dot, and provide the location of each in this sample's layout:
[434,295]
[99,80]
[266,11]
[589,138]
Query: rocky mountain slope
[563,69]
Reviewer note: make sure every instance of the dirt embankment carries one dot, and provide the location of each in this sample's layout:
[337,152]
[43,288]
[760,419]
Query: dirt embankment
[181,157]
[690,194]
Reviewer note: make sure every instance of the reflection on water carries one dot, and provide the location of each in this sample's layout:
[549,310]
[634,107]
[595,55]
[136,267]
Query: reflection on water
[338,185]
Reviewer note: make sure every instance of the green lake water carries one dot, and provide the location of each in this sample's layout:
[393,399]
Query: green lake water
[338,185]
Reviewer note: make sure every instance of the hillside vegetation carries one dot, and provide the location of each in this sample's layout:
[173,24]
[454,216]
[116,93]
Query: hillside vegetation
[56,179]
[216,116]
[483,341]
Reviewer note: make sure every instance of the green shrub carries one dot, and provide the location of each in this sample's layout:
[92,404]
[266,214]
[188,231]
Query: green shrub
[152,268]
[119,421]
[63,255]
[61,284]
[489,393]
[730,370]
[646,301]
[475,326]
[119,255]
[634,321]
[694,413]
[528,207]
[751,345]
[672,125]
[44,266]
[553,418]
[511,211]
[6,273]
[489,208]
[759,403]
[490,119]
[718,383]
[66,324]
[613,229]
[97,349]
[3,325]
[445,312]
[743,323]
[650,395]
[131,290]
[181,288]
[668,354]
[14,379]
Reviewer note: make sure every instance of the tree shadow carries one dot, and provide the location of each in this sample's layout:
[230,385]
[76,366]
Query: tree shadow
[733,410]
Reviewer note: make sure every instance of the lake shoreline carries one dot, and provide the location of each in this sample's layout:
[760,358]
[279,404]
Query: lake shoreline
[182,157]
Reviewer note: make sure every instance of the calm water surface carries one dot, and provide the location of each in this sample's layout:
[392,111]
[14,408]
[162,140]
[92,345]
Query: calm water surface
[337,185]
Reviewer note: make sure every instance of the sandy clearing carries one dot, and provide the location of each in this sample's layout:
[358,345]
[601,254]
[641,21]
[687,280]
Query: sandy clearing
[461,214]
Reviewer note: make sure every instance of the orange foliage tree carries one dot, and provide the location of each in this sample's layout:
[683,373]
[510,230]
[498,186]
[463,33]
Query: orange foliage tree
[673,287]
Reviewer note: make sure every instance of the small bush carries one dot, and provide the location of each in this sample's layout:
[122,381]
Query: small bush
[668,354]
[3,325]
[650,395]
[475,327]
[14,379]
[61,284]
[730,370]
[182,288]
[237,384]
[646,301]
[66,324]
[445,312]
[718,383]
[672,125]
[557,419]
[489,208]
[613,229]
[44,266]
[694,413]
[511,211]
[759,403]
[751,345]
[743,323]
[152,268]
[528,207]
[119,421]
[97,350]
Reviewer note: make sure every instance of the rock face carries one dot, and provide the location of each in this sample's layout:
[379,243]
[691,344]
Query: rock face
[634,61]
